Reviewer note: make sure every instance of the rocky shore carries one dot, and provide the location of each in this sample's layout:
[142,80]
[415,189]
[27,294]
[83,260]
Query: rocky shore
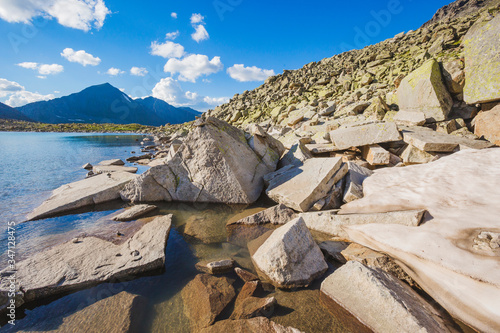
[390,152]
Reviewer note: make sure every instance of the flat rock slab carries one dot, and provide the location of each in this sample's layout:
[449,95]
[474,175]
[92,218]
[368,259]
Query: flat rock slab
[380,301]
[431,141]
[482,62]
[409,118]
[461,192]
[300,187]
[321,148]
[376,155]
[289,257]
[113,168]
[259,324]
[329,222]
[134,212]
[116,161]
[86,192]
[89,261]
[357,136]
[278,215]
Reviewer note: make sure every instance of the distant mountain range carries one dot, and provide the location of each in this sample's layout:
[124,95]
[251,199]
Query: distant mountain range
[105,104]
[6,112]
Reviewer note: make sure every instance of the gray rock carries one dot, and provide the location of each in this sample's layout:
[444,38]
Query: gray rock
[71,266]
[112,162]
[357,136]
[289,257]
[94,190]
[431,141]
[278,215]
[380,301]
[134,212]
[296,156]
[301,187]
[354,181]
[87,166]
[376,155]
[113,168]
[409,118]
[413,155]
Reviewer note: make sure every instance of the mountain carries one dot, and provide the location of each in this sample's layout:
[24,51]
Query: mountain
[107,104]
[6,112]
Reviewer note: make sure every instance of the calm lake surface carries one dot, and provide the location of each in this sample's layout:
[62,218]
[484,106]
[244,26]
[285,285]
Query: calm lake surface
[34,164]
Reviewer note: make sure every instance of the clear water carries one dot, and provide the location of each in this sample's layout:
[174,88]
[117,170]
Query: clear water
[33,164]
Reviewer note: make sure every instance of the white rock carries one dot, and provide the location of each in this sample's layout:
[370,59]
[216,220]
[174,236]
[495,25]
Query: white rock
[356,136]
[428,140]
[134,212]
[409,118]
[112,162]
[376,155]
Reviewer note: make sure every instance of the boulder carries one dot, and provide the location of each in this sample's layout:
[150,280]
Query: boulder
[461,193]
[423,90]
[357,136]
[431,141]
[333,250]
[116,161]
[134,212]
[216,267]
[259,324]
[113,168]
[354,181]
[331,223]
[301,187]
[204,299]
[376,155]
[409,118]
[89,261]
[380,301]
[482,62]
[87,166]
[278,215]
[94,190]
[246,276]
[454,75]
[488,125]
[289,257]
[251,307]
[413,155]
[214,164]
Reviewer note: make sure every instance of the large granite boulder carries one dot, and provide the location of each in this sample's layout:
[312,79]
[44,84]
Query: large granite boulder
[380,301]
[289,257]
[461,192]
[300,187]
[488,125]
[214,164]
[86,192]
[88,261]
[423,90]
[482,62]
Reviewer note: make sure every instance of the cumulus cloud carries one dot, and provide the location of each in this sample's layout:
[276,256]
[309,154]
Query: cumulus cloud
[17,94]
[198,23]
[43,69]
[77,14]
[245,74]
[200,33]
[167,50]
[81,57]
[114,71]
[193,66]
[173,15]
[139,71]
[172,35]
[171,92]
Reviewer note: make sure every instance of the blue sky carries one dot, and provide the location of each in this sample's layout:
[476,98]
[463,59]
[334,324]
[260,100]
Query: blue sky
[214,49]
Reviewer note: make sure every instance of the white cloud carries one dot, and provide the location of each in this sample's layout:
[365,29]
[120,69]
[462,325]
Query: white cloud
[193,66]
[9,87]
[171,92]
[18,95]
[173,15]
[167,50]
[245,74]
[114,71]
[77,14]
[80,57]
[139,71]
[200,33]
[43,69]
[41,77]
[197,18]
[24,97]
[172,35]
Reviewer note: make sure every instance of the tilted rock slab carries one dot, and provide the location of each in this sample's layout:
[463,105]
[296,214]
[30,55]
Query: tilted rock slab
[423,90]
[357,136]
[461,193]
[279,214]
[89,261]
[134,212]
[300,187]
[329,222]
[380,301]
[214,164]
[259,324]
[94,190]
[289,257]
[482,62]
[354,181]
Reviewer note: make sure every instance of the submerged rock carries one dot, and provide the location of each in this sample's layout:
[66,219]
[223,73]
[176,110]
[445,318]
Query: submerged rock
[259,324]
[90,261]
[289,257]
[216,267]
[380,301]
[134,212]
[214,164]
[94,190]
